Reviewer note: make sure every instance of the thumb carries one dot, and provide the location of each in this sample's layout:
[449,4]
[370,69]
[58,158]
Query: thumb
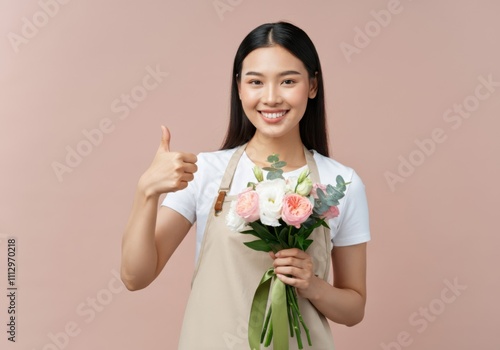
[165,139]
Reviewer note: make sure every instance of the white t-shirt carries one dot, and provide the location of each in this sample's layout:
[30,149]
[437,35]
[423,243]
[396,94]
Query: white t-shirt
[195,202]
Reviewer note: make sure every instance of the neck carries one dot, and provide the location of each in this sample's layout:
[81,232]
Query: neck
[289,148]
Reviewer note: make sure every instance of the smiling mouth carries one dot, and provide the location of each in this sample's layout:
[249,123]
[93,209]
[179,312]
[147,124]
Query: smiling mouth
[273,115]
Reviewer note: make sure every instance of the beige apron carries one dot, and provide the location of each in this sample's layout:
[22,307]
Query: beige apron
[227,274]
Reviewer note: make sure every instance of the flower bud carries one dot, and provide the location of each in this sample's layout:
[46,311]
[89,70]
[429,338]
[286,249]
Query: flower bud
[304,187]
[258,173]
[303,175]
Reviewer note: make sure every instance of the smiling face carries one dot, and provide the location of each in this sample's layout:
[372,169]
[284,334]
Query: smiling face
[274,89]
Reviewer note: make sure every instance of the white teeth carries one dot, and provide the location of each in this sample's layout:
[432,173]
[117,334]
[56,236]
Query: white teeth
[273,115]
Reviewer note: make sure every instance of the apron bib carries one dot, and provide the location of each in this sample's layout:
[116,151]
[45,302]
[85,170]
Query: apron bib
[227,274]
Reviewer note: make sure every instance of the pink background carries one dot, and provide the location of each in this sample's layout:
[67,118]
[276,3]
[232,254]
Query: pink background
[432,228]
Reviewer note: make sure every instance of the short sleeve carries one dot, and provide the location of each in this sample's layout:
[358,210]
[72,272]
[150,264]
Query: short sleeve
[353,226]
[183,201]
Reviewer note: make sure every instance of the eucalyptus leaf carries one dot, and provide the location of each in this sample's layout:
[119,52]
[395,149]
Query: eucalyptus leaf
[277,174]
[279,164]
[340,180]
[273,158]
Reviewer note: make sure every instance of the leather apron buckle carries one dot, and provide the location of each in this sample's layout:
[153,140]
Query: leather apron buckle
[219,202]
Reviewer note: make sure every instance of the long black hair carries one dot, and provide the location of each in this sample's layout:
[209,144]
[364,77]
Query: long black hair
[312,126]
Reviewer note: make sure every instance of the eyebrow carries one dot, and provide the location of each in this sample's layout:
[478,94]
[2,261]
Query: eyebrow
[287,72]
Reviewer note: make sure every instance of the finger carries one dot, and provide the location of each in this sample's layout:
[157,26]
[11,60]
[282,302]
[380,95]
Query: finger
[190,168]
[187,177]
[294,282]
[288,262]
[189,158]
[292,252]
[165,138]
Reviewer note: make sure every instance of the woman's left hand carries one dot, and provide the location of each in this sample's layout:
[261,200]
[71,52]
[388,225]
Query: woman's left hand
[295,268]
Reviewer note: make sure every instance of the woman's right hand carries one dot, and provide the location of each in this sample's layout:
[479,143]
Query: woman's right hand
[169,171]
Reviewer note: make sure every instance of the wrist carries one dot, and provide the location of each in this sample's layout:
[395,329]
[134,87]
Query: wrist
[315,289]
[145,190]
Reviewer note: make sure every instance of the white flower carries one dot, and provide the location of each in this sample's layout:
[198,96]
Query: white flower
[233,220]
[271,193]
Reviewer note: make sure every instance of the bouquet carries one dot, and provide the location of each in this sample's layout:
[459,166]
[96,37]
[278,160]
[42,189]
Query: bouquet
[282,214]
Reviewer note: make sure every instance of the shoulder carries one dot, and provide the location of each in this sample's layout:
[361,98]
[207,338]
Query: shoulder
[330,168]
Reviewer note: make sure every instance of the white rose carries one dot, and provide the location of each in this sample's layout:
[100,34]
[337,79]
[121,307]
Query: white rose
[271,193]
[233,220]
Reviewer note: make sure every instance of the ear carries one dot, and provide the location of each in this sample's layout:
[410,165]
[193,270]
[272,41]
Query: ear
[313,86]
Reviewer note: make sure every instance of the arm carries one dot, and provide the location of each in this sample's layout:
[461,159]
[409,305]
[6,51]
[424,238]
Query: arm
[344,302]
[151,235]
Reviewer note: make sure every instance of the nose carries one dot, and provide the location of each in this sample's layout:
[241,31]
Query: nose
[271,95]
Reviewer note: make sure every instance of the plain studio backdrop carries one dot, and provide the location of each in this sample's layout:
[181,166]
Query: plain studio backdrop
[413,100]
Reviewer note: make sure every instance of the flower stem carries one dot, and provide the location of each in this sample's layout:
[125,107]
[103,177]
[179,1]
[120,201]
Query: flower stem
[296,314]
[296,307]
[289,311]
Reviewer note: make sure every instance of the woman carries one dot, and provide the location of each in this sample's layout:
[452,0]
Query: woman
[277,107]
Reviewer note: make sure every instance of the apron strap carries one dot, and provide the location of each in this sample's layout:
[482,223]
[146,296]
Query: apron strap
[227,179]
[311,164]
[225,184]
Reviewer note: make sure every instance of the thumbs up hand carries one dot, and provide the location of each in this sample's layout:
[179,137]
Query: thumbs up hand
[169,171]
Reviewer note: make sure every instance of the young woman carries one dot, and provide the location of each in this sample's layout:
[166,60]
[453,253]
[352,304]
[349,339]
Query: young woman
[277,107]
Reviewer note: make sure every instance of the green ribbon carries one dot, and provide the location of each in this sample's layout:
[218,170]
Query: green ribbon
[279,317]
[278,309]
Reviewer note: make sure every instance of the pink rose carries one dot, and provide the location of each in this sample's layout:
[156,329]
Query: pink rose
[315,187]
[247,205]
[296,209]
[331,213]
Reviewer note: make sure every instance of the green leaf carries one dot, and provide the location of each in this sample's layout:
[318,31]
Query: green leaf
[279,164]
[300,242]
[251,232]
[273,158]
[258,245]
[282,237]
[251,184]
[277,174]
[268,168]
[340,180]
[262,232]
[307,243]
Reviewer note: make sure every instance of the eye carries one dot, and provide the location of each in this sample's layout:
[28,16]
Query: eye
[288,82]
[255,82]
